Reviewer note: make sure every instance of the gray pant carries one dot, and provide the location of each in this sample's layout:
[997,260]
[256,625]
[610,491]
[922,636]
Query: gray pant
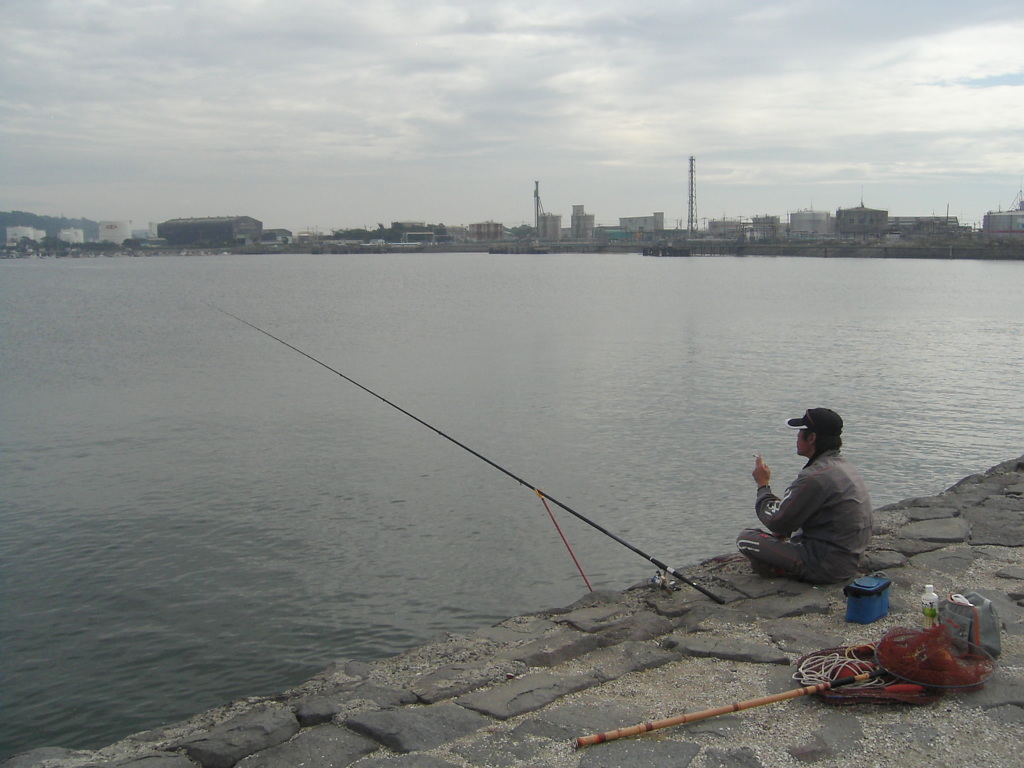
[772,555]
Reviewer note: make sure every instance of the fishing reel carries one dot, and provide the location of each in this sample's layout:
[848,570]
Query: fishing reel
[663,582]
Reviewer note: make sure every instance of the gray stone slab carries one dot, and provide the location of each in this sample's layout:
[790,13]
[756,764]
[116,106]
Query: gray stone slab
[382,696]
[516,631]
[1002,690]
[837,734]
[322,708]
[780,679]
[931,512]
[698,619]
[725,591]
[38,758]
[913,734]
[672,605]
[639,753]
[1008,714]
[414,760]
[593,618]
[910,547]
[453,680]
[154,761]
[794,638]
[326,746]
[1012,572]
[744,757]
[706,645]
[612,663]
[944,531]
[555,649]
[966,484]
[1001,503]
[884,560]
[580,719]
[952,561]
[503,752]
[412,729]
[224,745]
[754,586]
[998,521]
[591,599]
[813,601]
[526,694]
[813,750]
[923,502]
[638,626]
[317,710]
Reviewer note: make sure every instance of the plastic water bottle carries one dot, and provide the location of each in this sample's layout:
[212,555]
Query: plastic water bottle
[930,606]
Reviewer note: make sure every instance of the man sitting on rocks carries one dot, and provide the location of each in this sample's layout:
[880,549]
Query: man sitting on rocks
[826,510]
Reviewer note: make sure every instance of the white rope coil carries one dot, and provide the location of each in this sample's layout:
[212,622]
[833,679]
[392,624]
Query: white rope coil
[829,667]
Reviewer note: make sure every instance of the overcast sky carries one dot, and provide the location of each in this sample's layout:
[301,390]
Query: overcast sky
[331,113]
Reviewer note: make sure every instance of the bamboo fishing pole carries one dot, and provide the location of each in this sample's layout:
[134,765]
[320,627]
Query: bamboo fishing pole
[662,566]
[736,706]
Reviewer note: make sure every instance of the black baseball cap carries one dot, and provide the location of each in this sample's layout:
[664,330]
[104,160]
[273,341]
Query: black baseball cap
[821,421]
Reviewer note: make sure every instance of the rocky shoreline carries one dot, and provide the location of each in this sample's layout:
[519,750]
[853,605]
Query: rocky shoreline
[518,693]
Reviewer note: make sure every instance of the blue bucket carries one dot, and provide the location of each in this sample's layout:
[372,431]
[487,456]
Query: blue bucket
[867,598]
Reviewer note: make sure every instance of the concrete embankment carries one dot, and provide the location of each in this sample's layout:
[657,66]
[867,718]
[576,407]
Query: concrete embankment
[518,693]
[900,251]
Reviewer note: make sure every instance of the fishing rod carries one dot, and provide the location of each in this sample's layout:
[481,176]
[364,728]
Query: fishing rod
[662,566]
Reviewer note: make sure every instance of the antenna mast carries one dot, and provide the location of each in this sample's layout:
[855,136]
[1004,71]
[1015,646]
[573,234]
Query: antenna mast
[691,215]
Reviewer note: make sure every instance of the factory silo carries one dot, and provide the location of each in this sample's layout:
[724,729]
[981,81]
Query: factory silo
[811,223]
[115,231]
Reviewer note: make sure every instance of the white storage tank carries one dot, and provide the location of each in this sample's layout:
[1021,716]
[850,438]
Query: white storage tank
[115,231]
[811,223]
[14,234]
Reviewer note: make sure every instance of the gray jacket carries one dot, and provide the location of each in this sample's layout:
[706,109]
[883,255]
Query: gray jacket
[827,512]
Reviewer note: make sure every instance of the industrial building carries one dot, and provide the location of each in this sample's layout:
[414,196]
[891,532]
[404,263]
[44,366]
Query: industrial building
[765,227]
[582,224]
[214,231]
[115,231]
[1005,223]
[15,234]
[728,229]
[549,226]
[643,225]
[486,230]
[276,236]
[811,223]
[923,226]
[861,223]
[612,234]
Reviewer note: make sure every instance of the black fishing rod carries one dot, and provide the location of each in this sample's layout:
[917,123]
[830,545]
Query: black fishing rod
[483,458]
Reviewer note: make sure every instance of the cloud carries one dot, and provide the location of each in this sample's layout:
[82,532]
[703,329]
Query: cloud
[248,101]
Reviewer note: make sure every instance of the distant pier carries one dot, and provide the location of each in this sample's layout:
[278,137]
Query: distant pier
[667,250]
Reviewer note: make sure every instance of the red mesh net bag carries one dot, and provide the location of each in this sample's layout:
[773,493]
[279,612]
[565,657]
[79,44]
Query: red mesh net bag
[831,664]
[913,666]
[933,658]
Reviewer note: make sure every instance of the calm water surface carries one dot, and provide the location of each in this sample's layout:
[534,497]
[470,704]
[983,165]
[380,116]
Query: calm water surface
[193,512]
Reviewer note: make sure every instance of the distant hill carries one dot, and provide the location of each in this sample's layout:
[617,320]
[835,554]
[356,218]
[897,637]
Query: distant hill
[52,225]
